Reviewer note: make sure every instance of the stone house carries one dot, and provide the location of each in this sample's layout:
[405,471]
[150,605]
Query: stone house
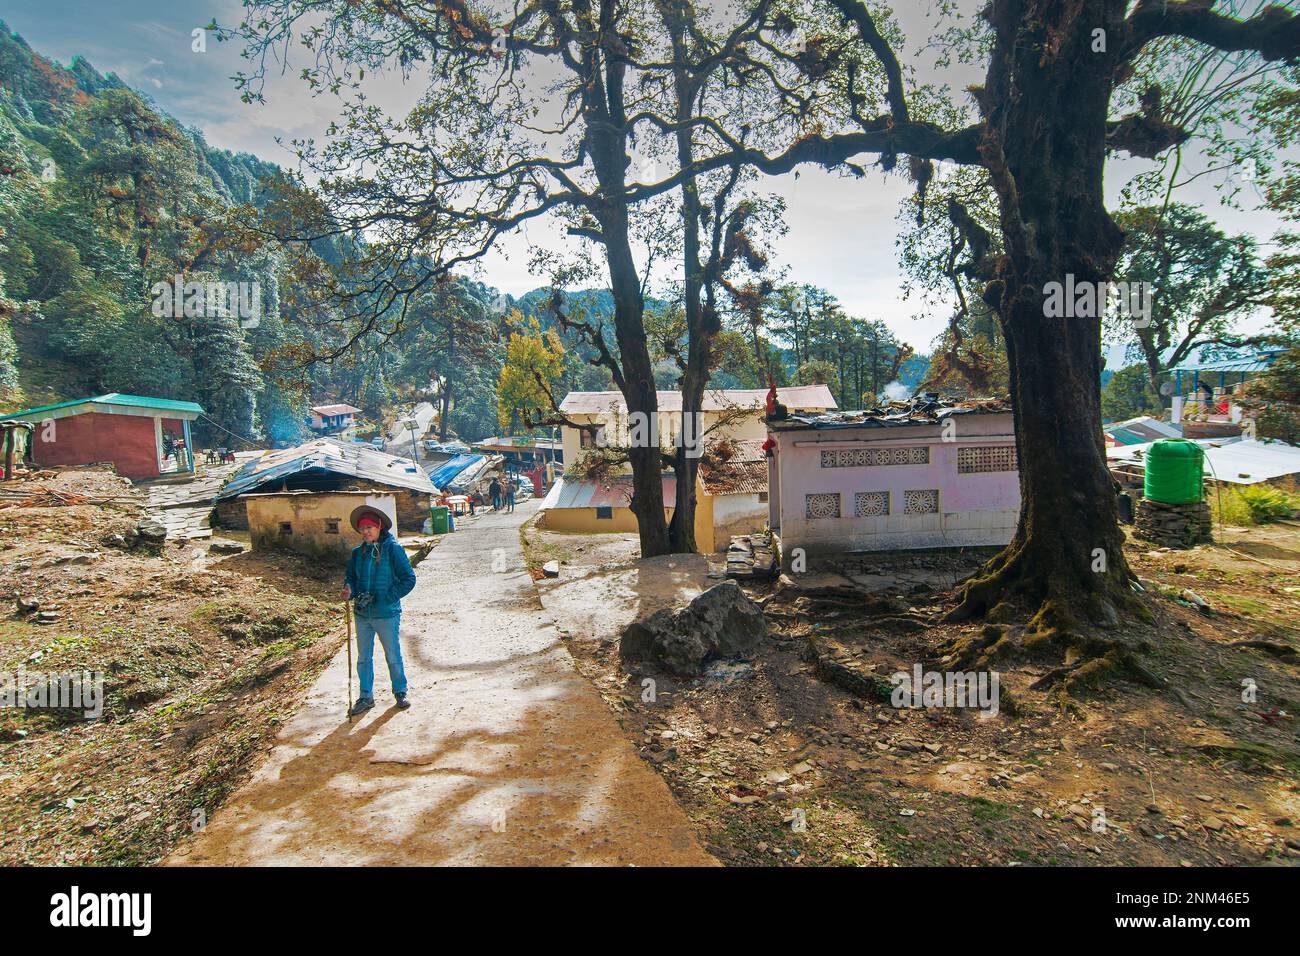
[329,465]
[314,523]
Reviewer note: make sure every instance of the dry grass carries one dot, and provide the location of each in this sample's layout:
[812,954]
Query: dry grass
[202,658]
[1190,774]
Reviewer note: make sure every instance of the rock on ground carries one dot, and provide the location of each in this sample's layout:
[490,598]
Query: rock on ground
[722,623]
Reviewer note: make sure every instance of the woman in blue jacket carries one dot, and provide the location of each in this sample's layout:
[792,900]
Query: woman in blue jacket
[379,575]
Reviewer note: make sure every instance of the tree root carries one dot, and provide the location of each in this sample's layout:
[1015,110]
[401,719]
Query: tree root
[1281,651]
[984,592]
[1091,671]
[1066,612]
[1089,663]
[977,651]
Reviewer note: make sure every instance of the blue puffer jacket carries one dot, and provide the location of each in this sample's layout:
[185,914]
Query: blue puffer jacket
[389,579]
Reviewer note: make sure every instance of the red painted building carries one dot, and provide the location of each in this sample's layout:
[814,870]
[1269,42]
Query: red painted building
[143,437]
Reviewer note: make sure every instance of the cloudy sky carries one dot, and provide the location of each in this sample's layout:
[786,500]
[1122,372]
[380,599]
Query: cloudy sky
[841,231]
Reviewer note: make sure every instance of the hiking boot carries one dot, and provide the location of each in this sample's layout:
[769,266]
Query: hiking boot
[362,705]
[400,701]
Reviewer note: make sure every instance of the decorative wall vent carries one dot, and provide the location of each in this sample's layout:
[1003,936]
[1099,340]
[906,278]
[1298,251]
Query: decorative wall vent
[974,459]
[921,502]
[870,457]
[822,506]
[871,504]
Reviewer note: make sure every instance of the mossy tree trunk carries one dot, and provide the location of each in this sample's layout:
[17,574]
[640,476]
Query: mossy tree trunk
[1046,106]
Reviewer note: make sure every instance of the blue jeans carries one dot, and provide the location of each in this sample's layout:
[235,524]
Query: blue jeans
[386,628]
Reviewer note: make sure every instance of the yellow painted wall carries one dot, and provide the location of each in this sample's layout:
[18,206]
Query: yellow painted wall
[585,520]
[623,520]
[307,514]
[704,536]
[570,438]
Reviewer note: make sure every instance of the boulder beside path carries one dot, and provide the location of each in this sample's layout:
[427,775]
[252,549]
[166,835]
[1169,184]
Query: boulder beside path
[720,624]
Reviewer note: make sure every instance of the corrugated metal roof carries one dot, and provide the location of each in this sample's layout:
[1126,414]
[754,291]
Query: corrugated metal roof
[474,472]
[445,474]
[523,443]
[617,493]
[1143,428]
[1237,461]
[331,456]
[119,400]
[1126,437]
[1255,361]
[340,409]
[926,409]
[809,397]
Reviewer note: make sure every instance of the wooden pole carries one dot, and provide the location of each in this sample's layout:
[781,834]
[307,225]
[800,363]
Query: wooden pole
[347,613]
[9,451]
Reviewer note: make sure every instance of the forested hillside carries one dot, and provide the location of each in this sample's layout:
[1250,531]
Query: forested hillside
[105,201]
[103,197]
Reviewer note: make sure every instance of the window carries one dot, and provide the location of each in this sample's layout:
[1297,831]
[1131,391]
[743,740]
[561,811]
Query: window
[587,440]
[974,459]
[604,512]
[762,496]
[286,528]
[871,457]
[822,505]
[871,504]
[331,525]
[921,502]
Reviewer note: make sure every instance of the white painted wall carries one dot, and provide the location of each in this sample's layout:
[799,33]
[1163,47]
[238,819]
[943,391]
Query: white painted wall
[737,514]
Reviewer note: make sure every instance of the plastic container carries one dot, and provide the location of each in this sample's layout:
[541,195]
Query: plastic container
[441,515]
[1175,472]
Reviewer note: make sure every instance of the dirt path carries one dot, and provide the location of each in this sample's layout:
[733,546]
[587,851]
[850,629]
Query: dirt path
[507,756]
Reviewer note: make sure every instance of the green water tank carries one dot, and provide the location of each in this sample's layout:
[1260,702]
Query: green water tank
[1175,471]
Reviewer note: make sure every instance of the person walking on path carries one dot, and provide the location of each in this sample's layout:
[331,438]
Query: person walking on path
[494,490]
[510,495]
[379,575]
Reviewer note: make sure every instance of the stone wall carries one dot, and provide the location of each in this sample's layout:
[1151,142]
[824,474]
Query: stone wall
[312,523]
[1174,526]
[413,507]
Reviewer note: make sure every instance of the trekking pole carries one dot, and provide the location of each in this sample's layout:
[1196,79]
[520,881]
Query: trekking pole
[347,613]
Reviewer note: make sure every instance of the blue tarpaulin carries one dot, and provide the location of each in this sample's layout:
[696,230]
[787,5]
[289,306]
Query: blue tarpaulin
[445,474]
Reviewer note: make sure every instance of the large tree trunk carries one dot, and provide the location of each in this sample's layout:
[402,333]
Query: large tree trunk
[681,530]
[607,138]
[1048,95]
[700,326]
[638,384]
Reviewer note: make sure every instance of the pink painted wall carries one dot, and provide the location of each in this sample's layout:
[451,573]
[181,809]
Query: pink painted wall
[974,509]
